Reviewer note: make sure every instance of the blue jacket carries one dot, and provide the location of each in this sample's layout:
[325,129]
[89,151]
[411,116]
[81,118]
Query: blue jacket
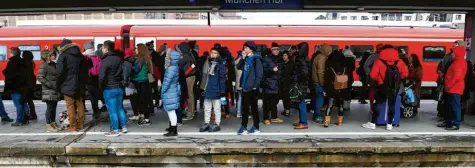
[271,77]
[216,83]
[171,88]
[252,72]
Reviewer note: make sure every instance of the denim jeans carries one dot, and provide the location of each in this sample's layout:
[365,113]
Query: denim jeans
[113,98]
[455,109]
[303,112]
[239,102]
[20,107]
[3,113]
[319,99]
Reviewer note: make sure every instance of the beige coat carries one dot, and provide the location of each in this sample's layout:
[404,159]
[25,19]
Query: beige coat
[318,64]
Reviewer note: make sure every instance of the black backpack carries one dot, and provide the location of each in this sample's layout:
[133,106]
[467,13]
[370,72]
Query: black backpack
[392,80]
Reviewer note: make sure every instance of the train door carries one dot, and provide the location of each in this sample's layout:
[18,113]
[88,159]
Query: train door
[99,41]
[145,40]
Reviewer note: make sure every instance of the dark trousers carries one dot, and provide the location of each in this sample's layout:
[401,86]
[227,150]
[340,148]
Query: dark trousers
[143,98]
[155,94]
[270,106]
[134,103]
[95,95]
[381,98]
[455,110]
[249,99]
[31,105]
[443,107]
[51,111]
[363,90]
[284,94]
[336,101]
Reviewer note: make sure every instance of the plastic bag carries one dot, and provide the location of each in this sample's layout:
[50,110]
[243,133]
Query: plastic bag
[130,90]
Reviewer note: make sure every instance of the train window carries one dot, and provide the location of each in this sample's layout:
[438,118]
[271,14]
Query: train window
[433,53]
[285,47]
[260,47]
[3,53]
[403,49]
[35,49]
[126,40]
[358,50]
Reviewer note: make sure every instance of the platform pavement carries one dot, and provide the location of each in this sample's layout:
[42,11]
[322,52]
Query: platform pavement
[420,130]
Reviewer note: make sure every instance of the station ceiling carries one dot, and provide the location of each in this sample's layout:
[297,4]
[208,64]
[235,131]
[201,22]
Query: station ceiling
[11,6]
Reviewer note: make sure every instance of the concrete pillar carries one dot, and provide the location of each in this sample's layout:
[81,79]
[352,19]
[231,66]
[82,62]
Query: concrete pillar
[469,33]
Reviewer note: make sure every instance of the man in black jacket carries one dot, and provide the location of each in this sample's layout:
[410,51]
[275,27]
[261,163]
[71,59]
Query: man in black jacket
[110,80]
[72,78]
[188,68]
[158,60]
[16,84]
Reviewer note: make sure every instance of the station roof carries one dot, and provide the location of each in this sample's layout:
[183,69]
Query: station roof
[209,5]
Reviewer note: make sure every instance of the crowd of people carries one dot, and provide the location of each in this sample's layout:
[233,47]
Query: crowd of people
[177,79]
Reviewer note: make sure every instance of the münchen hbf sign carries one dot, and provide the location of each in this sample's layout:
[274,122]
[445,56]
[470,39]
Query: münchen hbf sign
[261,4]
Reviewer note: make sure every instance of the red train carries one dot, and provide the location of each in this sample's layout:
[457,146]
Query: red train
[431,44]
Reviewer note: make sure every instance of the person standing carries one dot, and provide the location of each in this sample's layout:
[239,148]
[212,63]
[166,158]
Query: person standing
[72,76]
[368,65]
[94,66]
[157,63]
[363,78]
[16,84]
[415,76]
[251,65]
[284,85]
[171,91]
[318,78]
[142,67]
[213,84]
[454,83]
[110,80]
[301,78]
[271,85]
[31,82]
[237,84]
[350,60]
[188,67]
[47,78]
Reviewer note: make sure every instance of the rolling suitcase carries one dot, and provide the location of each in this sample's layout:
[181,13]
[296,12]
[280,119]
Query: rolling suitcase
[384,115]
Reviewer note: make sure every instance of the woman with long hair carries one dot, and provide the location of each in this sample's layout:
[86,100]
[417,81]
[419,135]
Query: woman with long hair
[31,83]
[142,67]
[415,75]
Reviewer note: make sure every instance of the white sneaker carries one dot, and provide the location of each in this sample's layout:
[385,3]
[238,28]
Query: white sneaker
[389,127]
[369,125]
[124,131]
[134,118]
[239,115]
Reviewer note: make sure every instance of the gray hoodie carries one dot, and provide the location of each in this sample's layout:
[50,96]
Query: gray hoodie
[369,63]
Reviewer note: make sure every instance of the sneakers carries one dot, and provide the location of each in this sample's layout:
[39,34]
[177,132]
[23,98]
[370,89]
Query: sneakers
[7,120]
[389,127]
[318,120]
[286,113]
[17,124]
[239,115]
[267,122]
[369,125]
[179,124]
[214,128]
[134,118]
[204,127]
[242,131]
[112,134]
[277,120]
[187,118]
[144,122]
[254,131]
[124,130]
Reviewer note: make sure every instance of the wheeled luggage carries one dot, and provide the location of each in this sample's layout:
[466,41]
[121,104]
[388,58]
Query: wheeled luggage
[382,107]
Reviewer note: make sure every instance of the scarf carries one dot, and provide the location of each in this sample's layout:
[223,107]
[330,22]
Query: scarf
[245,72]
[208,69]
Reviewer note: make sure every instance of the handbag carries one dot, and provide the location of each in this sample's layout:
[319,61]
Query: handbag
[295,94]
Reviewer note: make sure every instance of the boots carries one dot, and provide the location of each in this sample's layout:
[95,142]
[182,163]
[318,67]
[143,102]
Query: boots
[339,120]
[326,123]
[172,131]
[51,128]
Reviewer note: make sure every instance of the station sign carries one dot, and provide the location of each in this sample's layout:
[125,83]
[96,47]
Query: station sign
[262,4]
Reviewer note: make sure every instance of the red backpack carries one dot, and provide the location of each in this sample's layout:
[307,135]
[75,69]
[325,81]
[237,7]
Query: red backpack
[96,65]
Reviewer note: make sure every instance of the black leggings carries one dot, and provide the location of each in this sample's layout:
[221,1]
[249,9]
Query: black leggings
[250,99]
[95,95]
[336,101]
[143,98]
[51,111]
[285,99]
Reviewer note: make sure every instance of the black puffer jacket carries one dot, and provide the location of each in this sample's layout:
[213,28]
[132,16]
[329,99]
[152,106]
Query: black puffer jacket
[47,78]
[187,61]
[15,75]
[335,61]
[71,71]
[286,69]
[301,67]
[111,75]
[271,77]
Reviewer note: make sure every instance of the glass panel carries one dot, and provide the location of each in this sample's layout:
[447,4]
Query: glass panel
[285,47]
[403,49]
[358,50]
[433,53]
[3,53]
[35,49]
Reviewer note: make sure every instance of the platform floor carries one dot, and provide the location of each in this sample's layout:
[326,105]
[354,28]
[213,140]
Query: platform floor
[422,125]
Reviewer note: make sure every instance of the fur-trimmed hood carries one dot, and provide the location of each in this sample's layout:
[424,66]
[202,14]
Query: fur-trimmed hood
[72,49]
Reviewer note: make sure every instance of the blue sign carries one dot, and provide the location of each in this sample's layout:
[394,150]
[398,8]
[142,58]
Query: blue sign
[262,4]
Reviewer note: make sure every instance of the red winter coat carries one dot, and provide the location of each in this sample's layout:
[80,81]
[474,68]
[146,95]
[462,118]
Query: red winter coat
[378,71]
[454,81]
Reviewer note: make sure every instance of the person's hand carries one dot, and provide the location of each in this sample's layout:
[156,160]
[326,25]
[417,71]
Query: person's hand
[276,69]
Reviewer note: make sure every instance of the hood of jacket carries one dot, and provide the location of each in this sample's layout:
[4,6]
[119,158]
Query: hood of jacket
[389,55]
[325,49]
[303,49]
[71,48]
[182,48]
[459,53]
[89,52]
[108,54]
[174,58]
[348,53]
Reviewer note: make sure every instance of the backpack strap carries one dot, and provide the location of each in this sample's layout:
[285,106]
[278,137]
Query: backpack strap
[333,70]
